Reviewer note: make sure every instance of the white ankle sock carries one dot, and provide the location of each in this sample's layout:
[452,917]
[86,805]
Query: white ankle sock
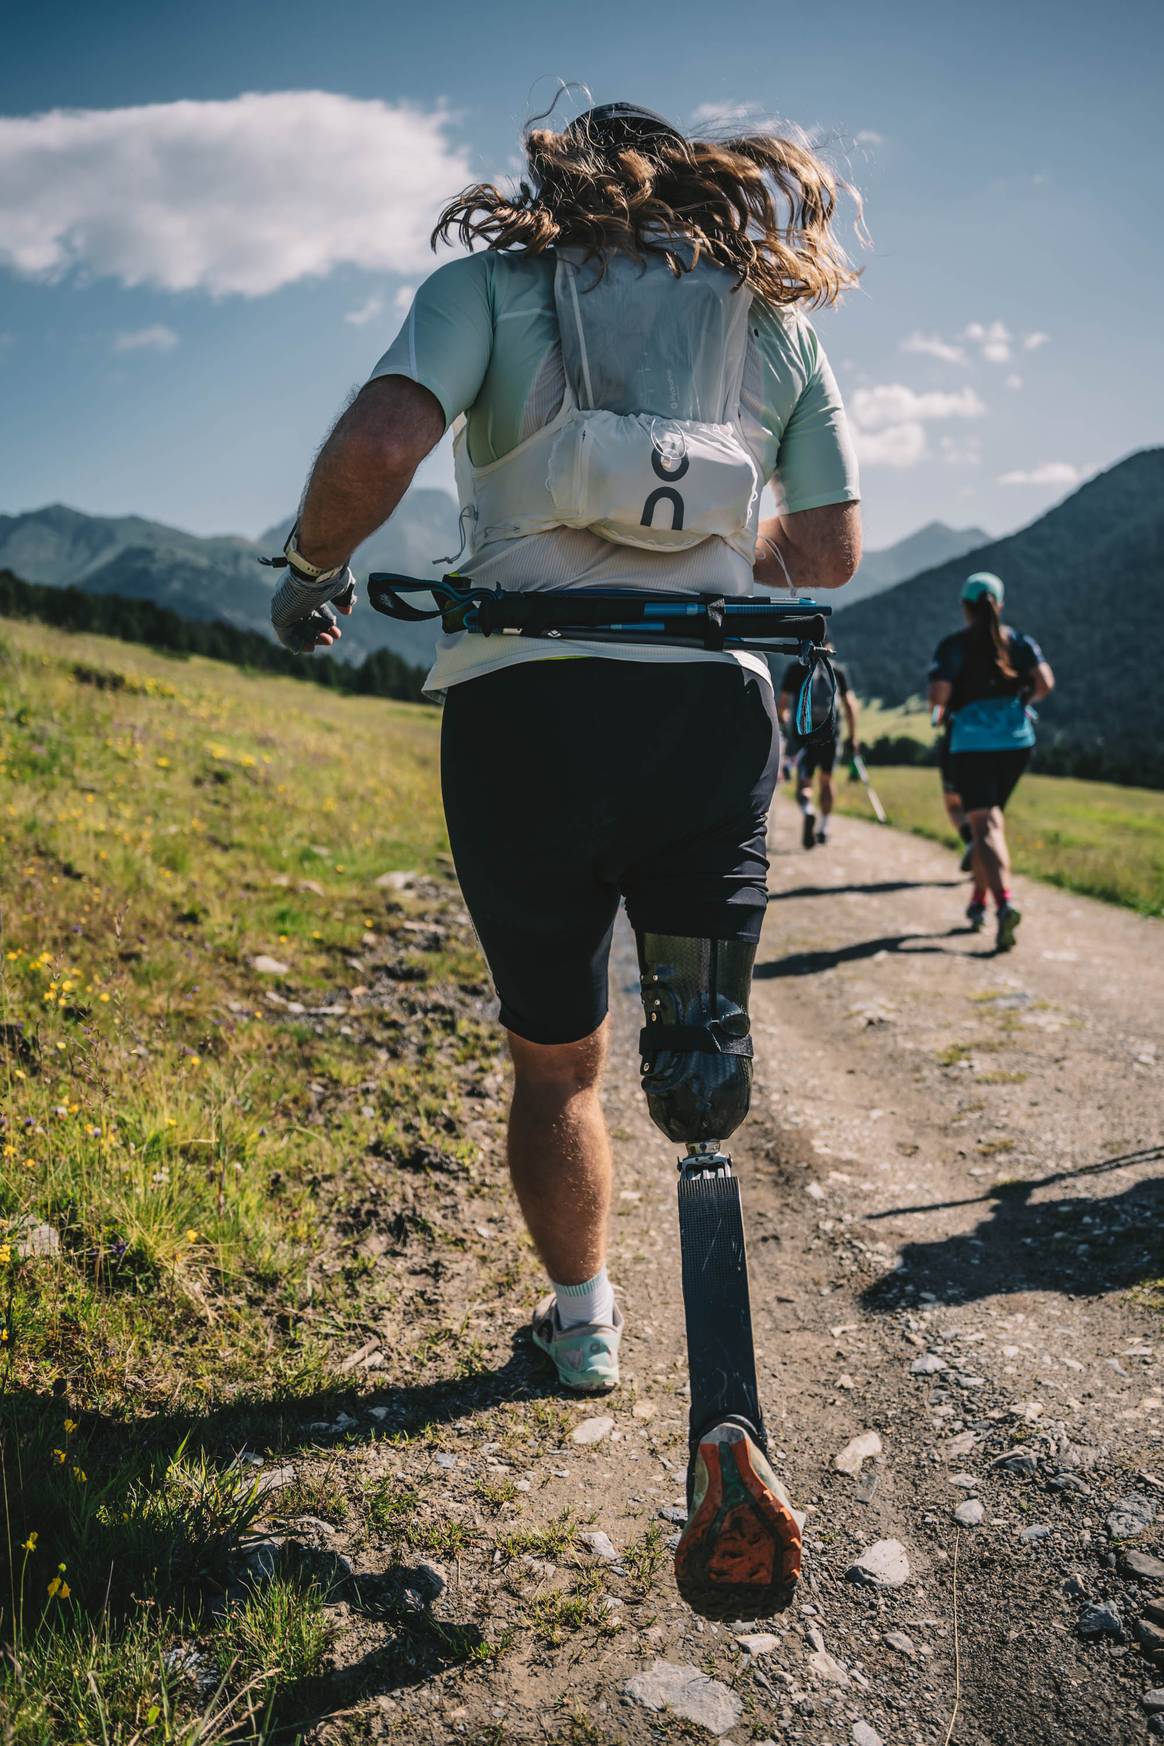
[592,1301]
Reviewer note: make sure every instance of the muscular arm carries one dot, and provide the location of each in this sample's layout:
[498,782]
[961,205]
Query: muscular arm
[366,465]
[820,548]
[939,693]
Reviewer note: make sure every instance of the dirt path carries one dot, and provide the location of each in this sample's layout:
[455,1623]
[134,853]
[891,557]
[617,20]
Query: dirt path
[952,1184]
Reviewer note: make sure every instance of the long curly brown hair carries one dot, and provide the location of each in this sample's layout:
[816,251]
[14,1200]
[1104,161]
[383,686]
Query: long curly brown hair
[761,205]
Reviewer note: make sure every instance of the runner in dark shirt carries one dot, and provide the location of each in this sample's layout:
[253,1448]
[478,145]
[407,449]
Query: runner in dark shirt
[983,679]
[818,755]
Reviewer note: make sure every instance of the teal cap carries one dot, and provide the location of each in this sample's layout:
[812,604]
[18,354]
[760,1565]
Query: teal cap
[982,582]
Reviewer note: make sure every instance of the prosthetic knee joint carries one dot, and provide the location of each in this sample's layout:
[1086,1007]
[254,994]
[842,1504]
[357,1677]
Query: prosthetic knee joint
[697,1074]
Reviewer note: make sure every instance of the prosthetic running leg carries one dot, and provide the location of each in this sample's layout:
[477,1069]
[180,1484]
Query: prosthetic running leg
[739,1556]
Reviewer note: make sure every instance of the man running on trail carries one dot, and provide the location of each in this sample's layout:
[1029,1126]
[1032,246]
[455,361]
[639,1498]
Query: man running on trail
[819,753]
[637,281]
[984,678]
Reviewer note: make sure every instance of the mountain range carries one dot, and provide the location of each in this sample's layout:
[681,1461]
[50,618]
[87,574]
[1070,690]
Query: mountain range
[931,545]
[218,577]
[1086,580]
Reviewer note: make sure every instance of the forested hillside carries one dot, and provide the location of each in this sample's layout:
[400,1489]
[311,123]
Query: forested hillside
[219,577]
[380,674]
[1087,581]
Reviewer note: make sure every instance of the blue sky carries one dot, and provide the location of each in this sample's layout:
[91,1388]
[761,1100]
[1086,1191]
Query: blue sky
[192,282]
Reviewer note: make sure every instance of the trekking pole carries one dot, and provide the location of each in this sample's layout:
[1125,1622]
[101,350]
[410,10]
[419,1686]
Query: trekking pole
[858,770]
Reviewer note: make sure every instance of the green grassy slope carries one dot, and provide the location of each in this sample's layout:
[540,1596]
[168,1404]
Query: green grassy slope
[195,1151]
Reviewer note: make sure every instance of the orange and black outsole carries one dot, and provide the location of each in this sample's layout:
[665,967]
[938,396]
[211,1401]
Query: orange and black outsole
[739,1557]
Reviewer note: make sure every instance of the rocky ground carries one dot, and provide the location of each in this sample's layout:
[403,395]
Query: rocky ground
[952,1179]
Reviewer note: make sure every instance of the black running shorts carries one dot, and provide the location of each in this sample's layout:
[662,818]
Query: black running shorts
[816,755]
[986,779]
[569,784]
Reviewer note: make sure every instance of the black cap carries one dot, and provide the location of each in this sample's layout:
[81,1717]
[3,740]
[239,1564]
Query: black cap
[624,123]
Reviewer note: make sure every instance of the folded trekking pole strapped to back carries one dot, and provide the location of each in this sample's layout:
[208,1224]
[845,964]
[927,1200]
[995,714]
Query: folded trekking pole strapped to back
[796,628]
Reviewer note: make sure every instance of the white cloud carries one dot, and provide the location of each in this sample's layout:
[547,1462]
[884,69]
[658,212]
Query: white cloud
[961,451]
[158,338]
[890,421]
[722,113]
[867,137]
[1032,341]
[893,403]
[898,445]
[932,345]
[366,311]
[993,340]
[245,195]
[1047,473]
[402,301]
[1014,380]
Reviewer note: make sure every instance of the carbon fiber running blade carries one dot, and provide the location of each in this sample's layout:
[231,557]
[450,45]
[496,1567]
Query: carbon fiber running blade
[721,1358]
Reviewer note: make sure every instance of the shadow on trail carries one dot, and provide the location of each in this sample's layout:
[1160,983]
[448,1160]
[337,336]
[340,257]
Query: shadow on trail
[814,963]
[189,1550]
[1082,1246]
[284,1423]
[874,889]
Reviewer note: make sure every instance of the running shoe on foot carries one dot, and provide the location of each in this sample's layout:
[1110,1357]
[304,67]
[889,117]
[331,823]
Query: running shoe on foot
[966,864]
[586,1356]
[976,916]
[1008,920]
[808,834]
[822,837]
[739,1555]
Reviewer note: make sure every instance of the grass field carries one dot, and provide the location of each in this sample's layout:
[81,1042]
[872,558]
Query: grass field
[1085,836]
[194,1148]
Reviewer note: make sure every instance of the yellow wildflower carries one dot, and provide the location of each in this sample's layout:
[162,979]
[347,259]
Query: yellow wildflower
[29,1545]
[5,1252]
[70,1427]
[61,1456]
[192,1236]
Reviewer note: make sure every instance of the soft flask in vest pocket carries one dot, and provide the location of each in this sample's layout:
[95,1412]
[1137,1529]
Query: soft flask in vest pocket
[661,483]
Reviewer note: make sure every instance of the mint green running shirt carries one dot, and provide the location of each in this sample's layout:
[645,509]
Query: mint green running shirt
[482,336]
[481,329]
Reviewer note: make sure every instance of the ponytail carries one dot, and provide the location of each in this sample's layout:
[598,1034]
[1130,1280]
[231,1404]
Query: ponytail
[988,667]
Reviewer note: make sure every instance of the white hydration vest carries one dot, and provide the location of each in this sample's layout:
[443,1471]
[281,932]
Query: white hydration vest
[648,447]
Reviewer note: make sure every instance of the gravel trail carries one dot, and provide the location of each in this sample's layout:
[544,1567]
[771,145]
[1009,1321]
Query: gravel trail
[952,1180]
